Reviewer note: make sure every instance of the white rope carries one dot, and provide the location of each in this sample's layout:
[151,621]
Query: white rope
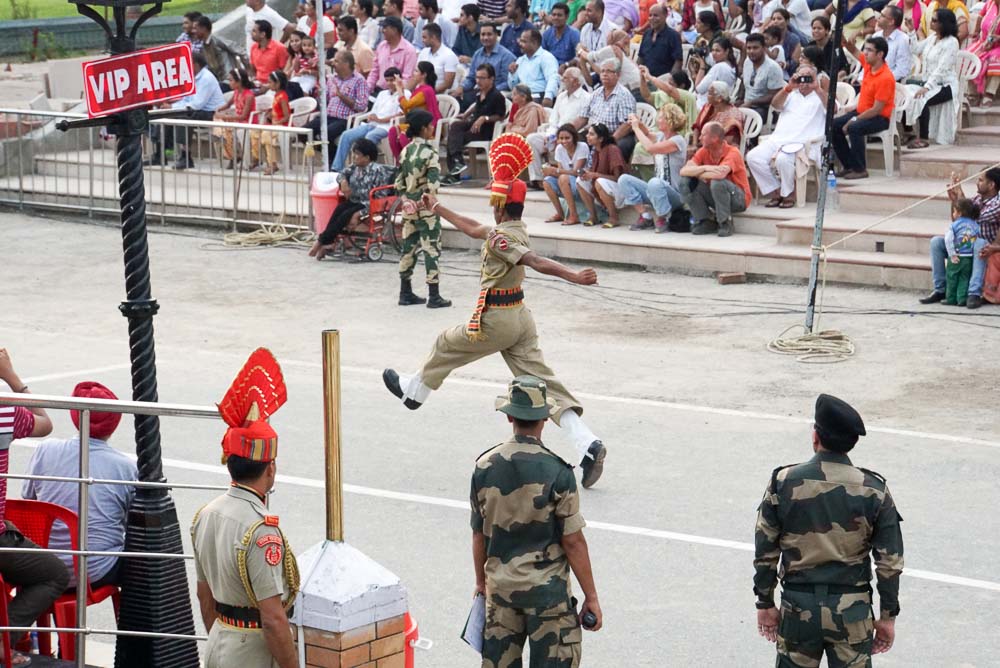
[270,235]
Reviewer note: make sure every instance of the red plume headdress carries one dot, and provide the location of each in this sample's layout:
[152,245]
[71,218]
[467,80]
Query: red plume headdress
[255,394]
[509,155]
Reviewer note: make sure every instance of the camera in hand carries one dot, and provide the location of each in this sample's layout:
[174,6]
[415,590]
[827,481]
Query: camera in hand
[589,620]
[805,78]
[700,51]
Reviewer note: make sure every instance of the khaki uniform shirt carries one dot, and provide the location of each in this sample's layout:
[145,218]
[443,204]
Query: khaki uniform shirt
[506,244]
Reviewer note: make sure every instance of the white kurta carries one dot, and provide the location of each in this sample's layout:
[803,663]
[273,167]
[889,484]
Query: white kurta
[940,66]
[801,119]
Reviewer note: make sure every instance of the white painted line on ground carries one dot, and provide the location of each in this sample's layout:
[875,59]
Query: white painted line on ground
[80,374]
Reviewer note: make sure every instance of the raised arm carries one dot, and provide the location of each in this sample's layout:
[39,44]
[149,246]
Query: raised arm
[465,225]
[544,265]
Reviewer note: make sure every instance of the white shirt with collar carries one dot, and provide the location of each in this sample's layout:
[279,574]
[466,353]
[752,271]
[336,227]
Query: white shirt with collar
[386,105]
[900,58]
[444,60]
[592,38]
[568,108]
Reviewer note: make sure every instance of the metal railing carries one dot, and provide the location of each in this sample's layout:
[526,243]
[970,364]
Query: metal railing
[85,481]
[43,167]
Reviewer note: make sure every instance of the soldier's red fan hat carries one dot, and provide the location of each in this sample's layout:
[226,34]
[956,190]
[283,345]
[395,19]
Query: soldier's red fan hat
[509,155]
[255,394]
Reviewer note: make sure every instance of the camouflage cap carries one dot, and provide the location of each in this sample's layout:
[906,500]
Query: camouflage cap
[526,399]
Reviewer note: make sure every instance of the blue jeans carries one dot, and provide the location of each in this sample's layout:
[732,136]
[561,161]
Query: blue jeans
[939,258]
[369,131]
[660,195]
[850,148]
[553,181]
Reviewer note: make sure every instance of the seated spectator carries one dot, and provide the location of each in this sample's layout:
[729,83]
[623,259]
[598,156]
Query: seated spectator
[571,104]
[346,95]
[350,41]
[305,67]
[39,578]
[266,54]
[960,242]
[707,29]
[780,30]
[204,102]
[308,25]
[239,109]
[673,87]
[937,96]
[569,158]
[221,56]
[720,109]
[394,9]
[475,123]
[723,70]
[560,39]
[715,183]
[617,49]
[442,58]
[762,77]
[278,114]
[188,22]
[525,115]
[660,50]
[821,38]
[467,40]
[378,123]
[859,22]
[607,163]
[595,31]
[363,12]
[986,45]
[517,17]
[536,68]
[611,105]
[662,192]
[392,51]
[492,54]
[109,504]
[802,119]
[871,113]
[429,13]
[738,22]
[623,14]
[900,58]
[987,198]
[294,48]
[356,183]
[423,97]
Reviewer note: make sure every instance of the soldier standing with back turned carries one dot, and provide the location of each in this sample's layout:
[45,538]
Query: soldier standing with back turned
[822,518]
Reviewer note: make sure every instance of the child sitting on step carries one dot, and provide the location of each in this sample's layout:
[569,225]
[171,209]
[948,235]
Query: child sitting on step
[960,240]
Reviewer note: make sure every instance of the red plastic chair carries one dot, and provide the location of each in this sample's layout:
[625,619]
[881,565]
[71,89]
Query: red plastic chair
[4,621]
[34,519]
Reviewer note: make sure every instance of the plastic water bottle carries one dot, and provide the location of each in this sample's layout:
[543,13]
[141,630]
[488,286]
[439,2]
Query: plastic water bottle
[832,199]
[34,642]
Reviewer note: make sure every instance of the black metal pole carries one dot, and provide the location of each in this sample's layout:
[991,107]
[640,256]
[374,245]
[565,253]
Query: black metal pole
[155,595]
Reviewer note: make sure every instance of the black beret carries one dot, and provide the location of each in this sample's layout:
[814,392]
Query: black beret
[837,423]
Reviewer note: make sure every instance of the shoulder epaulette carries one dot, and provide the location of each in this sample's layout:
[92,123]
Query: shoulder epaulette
[873,474]
[487,450]
[775,472]
[568,465]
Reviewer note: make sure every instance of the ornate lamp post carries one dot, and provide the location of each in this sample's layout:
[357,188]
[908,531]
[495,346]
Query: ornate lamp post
[155,594]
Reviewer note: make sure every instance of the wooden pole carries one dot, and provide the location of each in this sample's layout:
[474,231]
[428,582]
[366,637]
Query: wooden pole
[331,431]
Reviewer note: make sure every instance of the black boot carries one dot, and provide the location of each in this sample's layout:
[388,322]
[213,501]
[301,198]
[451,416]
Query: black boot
[406,296]
[435,300]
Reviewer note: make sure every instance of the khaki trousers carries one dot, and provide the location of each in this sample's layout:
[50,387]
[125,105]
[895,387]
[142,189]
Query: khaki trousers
[229,647]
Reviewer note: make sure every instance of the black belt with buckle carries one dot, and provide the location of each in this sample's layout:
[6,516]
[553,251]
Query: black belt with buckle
[824,589]
[241,618]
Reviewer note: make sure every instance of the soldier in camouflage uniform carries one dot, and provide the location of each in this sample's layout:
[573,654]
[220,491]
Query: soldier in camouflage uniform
[419,174]
[527,533]
[821,519]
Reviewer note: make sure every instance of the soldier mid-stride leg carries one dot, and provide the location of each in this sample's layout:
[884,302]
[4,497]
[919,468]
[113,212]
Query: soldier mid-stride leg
[501,323]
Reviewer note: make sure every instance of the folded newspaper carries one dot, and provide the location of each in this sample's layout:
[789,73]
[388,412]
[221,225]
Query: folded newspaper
[475,624]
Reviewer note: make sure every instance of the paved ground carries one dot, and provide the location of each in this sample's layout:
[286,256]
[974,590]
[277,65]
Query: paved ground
[674,375]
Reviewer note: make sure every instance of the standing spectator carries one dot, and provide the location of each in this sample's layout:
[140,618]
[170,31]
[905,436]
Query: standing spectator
[346,95]
[277,115]
[257,10]
[109,504]
[429,13]
[612,104]
[392,51]
[204,102]
[475,123]
[560,39]
[937,95]
[363,12]
[423,98]
[762,77]
[491,53]
[571,104]
[595,32]
[467,39]
[987,47]
[442,58]
[307,25]
[715,181]
[517,16]
[39,578]
[870,114]
[569,159]
[266,54]
[536,67]
[660,50]
[960,242]
[723,69]
[351,42]
[802,118]
[242,105]
[606,164]
[801,15]
[900,57]
[394,8]
[988,200]
[376,126]
[220,55]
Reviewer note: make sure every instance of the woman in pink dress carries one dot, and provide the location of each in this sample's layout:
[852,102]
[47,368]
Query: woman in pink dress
[422,97]
[987,47]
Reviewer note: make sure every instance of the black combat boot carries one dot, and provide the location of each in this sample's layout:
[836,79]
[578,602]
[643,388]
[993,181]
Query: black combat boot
[435,299]
[406,296]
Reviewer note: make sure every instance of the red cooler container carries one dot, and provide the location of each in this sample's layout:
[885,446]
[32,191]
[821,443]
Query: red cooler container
[325,193]
[410,639]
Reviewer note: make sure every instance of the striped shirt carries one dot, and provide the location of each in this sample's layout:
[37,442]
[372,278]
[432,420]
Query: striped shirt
[989,217]
[15,422]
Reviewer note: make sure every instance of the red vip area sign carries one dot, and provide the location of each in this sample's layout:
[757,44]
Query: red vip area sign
[138,79]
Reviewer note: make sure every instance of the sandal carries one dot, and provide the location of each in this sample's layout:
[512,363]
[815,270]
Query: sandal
[610,226]
[773,203]
[571,221]
[554,219]
[787,203]
[588,223]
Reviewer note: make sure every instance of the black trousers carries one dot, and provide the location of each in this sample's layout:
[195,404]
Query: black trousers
[179,135]
[942,96]
[40,578]
[334,128]
[338,221]
[460,134]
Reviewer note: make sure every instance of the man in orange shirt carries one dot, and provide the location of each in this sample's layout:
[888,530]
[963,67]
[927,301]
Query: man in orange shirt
[266,54]
[871,114]
[715,179]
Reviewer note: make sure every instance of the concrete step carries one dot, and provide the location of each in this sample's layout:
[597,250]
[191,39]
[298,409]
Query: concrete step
[980,117]
[899,236]
[881,195]
[939,162]
[988,135]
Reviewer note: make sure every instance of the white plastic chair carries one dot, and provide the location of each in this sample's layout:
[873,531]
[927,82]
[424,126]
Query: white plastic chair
[646,113]
[890,136]
[301,109]
[752,123]
[845,94]
[498,129]
[969,66]
[855,65]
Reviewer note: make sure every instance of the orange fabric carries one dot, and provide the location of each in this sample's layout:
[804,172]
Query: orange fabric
[415,101]
[877,86]
[991,285]
[274,57]
[732,159]
[277,115]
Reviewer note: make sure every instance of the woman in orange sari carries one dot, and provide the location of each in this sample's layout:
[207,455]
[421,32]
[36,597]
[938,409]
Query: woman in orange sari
[720,110]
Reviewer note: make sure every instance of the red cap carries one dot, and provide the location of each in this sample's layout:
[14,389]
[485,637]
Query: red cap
[102,425]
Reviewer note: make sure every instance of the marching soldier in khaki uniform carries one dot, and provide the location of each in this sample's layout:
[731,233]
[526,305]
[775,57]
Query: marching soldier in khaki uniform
[823,520]
[247,574]
[501,323]
[527,533]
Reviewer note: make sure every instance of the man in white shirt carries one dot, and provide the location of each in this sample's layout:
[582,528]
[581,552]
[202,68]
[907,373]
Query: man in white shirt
[595,32]
[257,10]
[571,103]
[363,12]
[900,58]
[443,59]
[376,125]
[429,13]
[799,9]
[451,9]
